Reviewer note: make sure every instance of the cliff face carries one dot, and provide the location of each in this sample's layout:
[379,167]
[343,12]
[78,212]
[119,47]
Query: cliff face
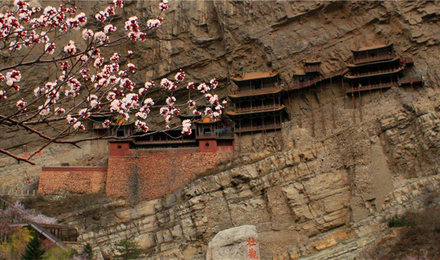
[330,177]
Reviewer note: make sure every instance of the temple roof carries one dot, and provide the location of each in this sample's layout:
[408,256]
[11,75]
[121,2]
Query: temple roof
[299,72]
[312,62]
[256,75]
[207,120]
[374,47]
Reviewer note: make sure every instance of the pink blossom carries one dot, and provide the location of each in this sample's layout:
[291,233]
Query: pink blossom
[79,125]
[149,102]
[214,83]
[106,123]
[12,77]
[119,3]
[191,104]
[3,94]
[180,76]
[153,23]
[141,125]
[131,67]
[203,88]
[115,57]
[109,28]
[109,11]
[21,104]
[170,101]
[208,111]
[101,37]
[70,119]
[164,111]
[190,85]
[186,127]
[163,6]
[100,16]
[50,48]
[98,62]
[86,34]
[60,110]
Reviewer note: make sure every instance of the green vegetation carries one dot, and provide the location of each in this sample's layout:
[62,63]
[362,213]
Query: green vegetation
[398,222]
[127,249]
[87,251]
[34,250]
[58,253]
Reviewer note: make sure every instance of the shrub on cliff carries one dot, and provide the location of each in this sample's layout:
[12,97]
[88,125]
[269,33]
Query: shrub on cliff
[127,249]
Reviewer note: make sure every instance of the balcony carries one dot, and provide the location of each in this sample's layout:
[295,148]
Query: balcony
[257,108]
[410,81]
[371,87]
[254,91]
[374,73]
[245,129]
[218,134]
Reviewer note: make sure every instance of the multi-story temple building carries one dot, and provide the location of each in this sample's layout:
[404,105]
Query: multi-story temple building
[258,103]
[377,67]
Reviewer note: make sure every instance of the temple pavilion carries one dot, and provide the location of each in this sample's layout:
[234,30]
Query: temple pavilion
[258,102]
[376,67]
[309,76]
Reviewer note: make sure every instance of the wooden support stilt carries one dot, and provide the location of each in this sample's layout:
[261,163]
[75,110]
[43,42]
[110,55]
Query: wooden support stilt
[333,114]
[252,133]
[345,91]
[313,122]
[322,120]
[299,111]
[353,101]
[360,106]
[281,134]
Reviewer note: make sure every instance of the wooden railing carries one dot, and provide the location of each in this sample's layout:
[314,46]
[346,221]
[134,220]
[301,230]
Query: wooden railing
[257,90]
[406,60]
[306,83]
[371,87]
[164,141]
[410,81]
[378,57]
[258,128]
[219,133]
[372,73]
[257,108]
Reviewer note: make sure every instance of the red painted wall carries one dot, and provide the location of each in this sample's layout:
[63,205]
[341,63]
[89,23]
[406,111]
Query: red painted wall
[80,180]
[146,174]
[138,174]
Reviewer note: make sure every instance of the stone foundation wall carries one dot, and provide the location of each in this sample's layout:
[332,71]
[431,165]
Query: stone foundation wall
[80,180]
[139,175]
